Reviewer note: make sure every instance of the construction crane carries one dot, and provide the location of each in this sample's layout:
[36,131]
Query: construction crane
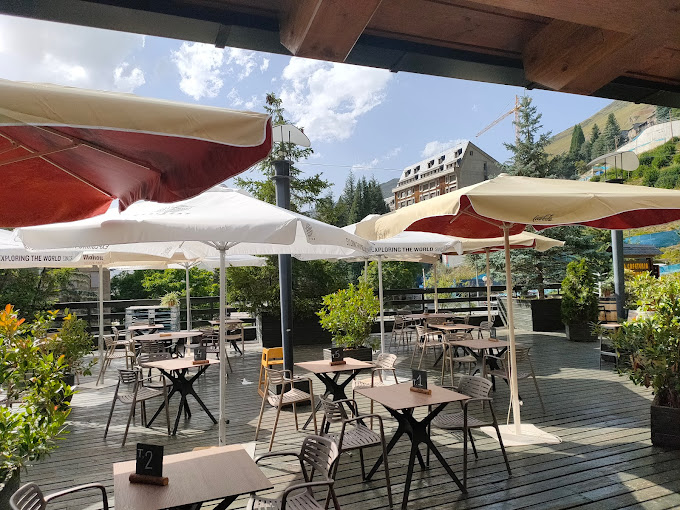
[515,110]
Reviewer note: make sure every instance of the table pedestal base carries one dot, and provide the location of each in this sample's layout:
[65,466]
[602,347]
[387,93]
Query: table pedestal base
[529,434]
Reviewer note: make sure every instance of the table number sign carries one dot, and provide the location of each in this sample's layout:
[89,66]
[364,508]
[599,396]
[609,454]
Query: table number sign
[419,382]
[200,354]
[492,334]
[337,356]
[149,467]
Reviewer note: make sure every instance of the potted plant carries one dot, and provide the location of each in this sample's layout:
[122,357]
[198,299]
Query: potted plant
[348,315]
[651,347]
[579,302]
[29,430]
[72,342]
[171,299]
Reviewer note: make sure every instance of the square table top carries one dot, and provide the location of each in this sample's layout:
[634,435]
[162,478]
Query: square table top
[481,343]
[178,363]
[167,335]
[400,396]
[453,327]
[324,366]
[198,476]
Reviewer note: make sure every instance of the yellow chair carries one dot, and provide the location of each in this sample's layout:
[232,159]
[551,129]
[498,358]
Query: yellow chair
[270,356]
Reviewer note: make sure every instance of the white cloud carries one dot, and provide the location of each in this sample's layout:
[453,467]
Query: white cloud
[234,98]
[40,51]
[199,67]
[236,101]
[362,167]
[264,65]
[327,99]
[435,147]
[128,80]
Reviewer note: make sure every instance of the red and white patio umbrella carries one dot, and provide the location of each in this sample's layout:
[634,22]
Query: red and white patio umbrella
[67,153]
[509,204]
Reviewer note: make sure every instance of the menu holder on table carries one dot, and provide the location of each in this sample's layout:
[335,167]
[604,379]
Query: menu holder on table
[337,356]
[200,354]
[419,382]
[149,467]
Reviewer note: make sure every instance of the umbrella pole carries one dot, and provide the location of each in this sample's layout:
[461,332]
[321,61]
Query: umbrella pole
[223,358]
[514,390]
[382,310]
[186,269]
[101,314]
[488,287]
[436,293]
[366,270]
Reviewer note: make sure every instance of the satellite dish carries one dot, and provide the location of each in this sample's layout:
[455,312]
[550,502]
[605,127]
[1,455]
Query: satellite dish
[290,134]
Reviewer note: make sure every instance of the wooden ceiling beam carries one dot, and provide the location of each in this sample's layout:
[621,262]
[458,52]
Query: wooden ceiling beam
[562,52]
[325,29]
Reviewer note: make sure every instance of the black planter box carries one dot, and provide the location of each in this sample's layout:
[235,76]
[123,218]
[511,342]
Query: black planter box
[580,332]
[8,488]
[304,331]
[539,314]
[665,427]
[361,353]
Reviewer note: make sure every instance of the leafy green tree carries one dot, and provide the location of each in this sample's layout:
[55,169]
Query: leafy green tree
[304,191]
[130,285]
[663,113]
[529,157]
[577,140]
[396,275]
[201,282]
[31,290]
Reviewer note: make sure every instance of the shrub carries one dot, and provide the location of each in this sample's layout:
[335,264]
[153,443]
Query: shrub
[650,176]
[349,313]
[579,301]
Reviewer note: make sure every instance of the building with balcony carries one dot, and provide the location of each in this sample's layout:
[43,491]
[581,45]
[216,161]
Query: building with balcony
[457,167]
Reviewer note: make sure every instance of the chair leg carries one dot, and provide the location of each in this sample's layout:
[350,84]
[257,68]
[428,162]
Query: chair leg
[361,458]
[113,404]
[423,348]
[127,427]
[387,469]
[465,456]
[296,418]
[500,440]
[533,376]
[472,442]
[259,420]
[142,405]
[167,406]
[311,395]
[276,422]
[416,346]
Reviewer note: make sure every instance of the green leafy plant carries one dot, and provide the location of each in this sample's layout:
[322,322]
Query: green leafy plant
[579,301]
[349,313]
[72,341]
[170,299]
[29,431]
[653,342]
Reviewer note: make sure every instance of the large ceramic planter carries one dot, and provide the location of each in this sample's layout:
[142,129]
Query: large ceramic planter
[360,353]
[665,426]
[580,332]
[8,488]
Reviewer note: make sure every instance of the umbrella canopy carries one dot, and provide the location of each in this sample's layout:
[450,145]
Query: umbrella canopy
[510,203]
[478,211]
[220,218]
[66,153]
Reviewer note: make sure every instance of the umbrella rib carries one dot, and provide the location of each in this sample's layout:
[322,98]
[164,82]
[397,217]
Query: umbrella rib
[34,155]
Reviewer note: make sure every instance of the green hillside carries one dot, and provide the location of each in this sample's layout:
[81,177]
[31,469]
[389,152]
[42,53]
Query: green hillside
[626,114]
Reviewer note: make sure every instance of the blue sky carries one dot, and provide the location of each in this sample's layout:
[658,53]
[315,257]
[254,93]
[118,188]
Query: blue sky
[371,120]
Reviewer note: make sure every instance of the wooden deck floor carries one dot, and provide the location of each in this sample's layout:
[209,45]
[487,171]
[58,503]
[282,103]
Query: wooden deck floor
[605,460]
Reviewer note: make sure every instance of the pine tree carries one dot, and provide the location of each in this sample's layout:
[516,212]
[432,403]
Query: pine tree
[577,140]
[304,191]
[596,143]
[529,157]
[611,134]
[594,133]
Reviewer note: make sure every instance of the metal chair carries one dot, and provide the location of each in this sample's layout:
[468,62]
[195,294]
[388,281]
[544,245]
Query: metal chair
[477,388]
[503,362]
[354,434]
[137,394]
[292,396]
[425,338]
[210,338]
[400,331]
[384,363]
[450,356]
[484,326]
[233,336]
[320,453]
[113,352]
[30,497]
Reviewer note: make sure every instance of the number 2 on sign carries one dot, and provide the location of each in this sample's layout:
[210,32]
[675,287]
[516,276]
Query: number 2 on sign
[141,453]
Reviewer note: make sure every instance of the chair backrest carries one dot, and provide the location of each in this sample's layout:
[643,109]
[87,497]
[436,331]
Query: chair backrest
[275,377]
[333,412]
[110,342]
[398,322]
[466,319]
[152,346]
[486,325]
[522,353]
[386,360]
[474,386]
[420,330]
[128,376]
[436,320]
[148,357]
[457,336]
[320,453]
[28,497]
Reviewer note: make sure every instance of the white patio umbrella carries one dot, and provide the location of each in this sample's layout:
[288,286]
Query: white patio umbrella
[220,218]
[509,203]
